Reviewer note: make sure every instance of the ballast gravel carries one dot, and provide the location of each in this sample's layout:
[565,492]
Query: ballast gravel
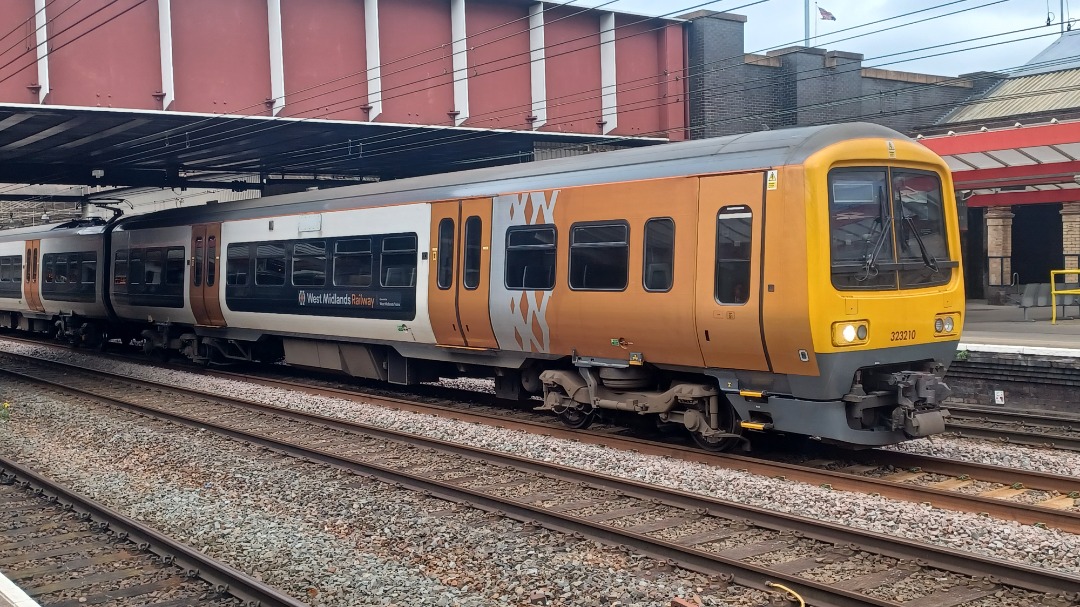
[1049,548]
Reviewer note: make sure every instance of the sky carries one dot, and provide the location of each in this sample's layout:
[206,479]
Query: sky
[779,23]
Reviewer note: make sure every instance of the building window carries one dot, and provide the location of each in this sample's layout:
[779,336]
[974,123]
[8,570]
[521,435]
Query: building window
[599,256]
[309,264]
[734,229]
[352,263]
[530,257]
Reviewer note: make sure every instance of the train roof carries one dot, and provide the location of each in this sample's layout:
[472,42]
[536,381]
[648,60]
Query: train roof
[761,149]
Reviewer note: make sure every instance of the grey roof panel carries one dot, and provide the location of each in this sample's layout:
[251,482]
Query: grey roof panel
[1062,54]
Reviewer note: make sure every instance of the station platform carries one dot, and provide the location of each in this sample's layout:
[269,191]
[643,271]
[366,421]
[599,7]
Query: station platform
[1005,330]
[13,596]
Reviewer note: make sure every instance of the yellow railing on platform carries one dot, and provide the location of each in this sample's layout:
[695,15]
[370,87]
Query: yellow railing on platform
[1054,291]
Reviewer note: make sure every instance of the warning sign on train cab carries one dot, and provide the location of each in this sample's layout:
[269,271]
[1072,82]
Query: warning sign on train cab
[770,181]
[891,147]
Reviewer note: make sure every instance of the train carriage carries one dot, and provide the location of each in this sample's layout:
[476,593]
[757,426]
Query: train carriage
[801,280]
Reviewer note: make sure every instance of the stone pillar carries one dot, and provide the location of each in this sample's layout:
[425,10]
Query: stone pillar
[1070,238]
[998,251]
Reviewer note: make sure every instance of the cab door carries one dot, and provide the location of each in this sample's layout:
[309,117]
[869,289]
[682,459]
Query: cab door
[729,290]
[204,288]
[31,268]
[461,264]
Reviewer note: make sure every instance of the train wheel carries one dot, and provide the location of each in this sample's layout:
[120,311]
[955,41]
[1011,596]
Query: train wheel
[729,424]
[577,418]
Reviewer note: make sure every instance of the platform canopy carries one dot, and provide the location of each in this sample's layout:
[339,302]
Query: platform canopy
[97,146]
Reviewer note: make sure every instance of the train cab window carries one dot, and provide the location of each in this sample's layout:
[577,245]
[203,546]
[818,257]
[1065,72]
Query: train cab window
[174,266]
[237,263]
[530,257]
[352,263]
[659,264]
[471,266]
[270,264]
[398,261]
[599,256]
[211,260]
[734,235]
[309,264]
[445,254]
[120,267]
[197,268]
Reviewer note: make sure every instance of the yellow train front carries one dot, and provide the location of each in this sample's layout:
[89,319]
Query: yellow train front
[809,283]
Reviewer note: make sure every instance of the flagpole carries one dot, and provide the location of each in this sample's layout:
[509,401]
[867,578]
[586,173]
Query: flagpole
[806,25]
[815,22]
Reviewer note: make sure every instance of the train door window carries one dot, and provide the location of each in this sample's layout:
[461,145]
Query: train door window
[309,264]
[197,270]
[136,268]
[88,269]
[734,231]
[174,266]
[599,256]
[120,267]
[270,264]
[659,263]
[446,253]
[530,257]
[471,269]
[398,261]
[153,267]
[352,263]
[237,261]
[211,260]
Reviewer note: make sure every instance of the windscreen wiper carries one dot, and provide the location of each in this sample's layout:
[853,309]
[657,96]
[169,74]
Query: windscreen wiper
[886,225]
[928,259]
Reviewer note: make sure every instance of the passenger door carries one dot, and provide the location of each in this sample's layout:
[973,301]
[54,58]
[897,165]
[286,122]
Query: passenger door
[460,265]
[205,275]
[728,306]
[31,286]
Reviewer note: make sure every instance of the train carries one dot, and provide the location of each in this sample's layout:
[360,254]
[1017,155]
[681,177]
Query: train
[800,281]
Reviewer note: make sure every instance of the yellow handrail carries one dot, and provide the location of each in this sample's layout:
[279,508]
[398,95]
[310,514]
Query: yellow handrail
[1054,291]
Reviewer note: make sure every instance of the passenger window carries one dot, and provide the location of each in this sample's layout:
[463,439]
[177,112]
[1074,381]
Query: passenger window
[446,253]
[174,266]
[211,260]
[352,263]
[659,265]
[5,269]
[135,266]
[398,261]
[120,267]
[530,257]
[734,230]
[599,257]
[89,268]
[309,264]
[197,271]
[53,264]
[153,267]
[473,231]
[270,265]
[237,261]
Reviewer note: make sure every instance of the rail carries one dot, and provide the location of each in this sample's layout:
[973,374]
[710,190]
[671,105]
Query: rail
[1054,291]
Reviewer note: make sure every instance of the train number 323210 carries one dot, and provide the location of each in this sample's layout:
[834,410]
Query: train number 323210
[902,335]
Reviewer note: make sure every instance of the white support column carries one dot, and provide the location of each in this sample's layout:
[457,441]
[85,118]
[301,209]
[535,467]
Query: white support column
[165,43]
[609,103]
[277,55]
[461,61]
[538,64]
[42,39]
[374,58]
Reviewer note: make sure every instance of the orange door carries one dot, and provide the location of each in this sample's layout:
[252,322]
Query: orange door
[728,307]
[205,274]
[32,264]
[475,263]
[442,275]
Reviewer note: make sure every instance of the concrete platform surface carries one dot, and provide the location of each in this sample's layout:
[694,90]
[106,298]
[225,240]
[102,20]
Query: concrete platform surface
[1005,326]
[13,596]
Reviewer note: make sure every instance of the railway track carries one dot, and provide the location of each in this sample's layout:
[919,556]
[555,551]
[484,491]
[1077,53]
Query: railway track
[1024,428]
[66,550]
[747,545]
[1027,497]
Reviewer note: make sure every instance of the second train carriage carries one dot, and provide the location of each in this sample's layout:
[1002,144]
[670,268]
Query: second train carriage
[803,281]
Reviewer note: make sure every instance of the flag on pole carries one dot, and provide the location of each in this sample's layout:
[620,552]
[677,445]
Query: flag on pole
[826,15]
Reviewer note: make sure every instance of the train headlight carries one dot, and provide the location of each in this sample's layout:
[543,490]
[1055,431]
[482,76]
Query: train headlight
[946,324]
[850,333]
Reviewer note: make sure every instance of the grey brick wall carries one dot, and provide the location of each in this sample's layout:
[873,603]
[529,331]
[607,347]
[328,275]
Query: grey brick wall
[730,92]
